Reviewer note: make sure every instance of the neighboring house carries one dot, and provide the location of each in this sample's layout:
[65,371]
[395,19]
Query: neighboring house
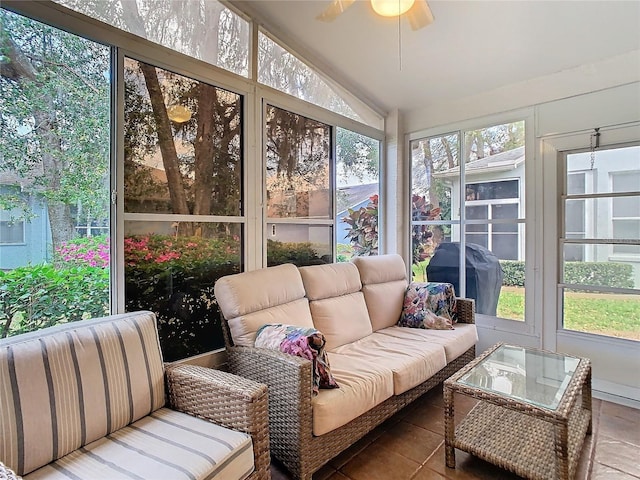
[495,190]
[351,197]
[23,242]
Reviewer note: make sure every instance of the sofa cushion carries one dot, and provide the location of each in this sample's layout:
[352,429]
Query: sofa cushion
[66,386]
[165,444]
[341,319]
[330,280]
[362,387]
[337,305]
[303,342]
[384,281]
[455,342]
[412,360]
[249,300]
[435,297]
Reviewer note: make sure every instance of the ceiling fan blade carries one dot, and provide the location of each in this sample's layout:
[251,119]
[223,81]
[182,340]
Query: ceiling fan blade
[336,8]
[419,15]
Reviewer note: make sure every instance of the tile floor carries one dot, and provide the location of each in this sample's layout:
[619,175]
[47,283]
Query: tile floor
[410,446]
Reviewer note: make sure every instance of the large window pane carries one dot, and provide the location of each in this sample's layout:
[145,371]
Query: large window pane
[171,271]
[183,161]
[609,314]
[297,162]
[357,195]
[283,71]
[55,104]
[435,166]
[622,163]
[601,242]
[182,144]
[203,29]
[299,244]
[495,175]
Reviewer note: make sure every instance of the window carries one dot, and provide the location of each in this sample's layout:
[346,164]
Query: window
[625,214]
[601,209]
[54,145]
[283,71]
[494,201]
[299,203]
[182,202]
[357,194]
[202,29]
[492,227]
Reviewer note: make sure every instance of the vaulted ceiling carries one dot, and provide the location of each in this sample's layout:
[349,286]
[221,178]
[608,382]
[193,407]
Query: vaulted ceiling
[472,46]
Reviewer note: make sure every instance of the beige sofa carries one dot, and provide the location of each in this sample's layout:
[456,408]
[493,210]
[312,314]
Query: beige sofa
[87,400]
[379,366]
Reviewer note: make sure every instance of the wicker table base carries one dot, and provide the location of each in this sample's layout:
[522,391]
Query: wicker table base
[531,441]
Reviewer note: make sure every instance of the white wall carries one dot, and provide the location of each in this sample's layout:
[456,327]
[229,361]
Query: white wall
[615,71]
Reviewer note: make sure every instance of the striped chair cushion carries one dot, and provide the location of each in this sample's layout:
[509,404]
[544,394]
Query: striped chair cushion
[164,445]
[66,386]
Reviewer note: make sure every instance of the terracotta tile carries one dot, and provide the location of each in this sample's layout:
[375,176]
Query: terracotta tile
[603,472]
[627,430]
[618,455]
[428,474]
[324,473]
[468,467]
[428,417]
[376,463]
[622,411]
[342,458]
[337,476]
[410,441]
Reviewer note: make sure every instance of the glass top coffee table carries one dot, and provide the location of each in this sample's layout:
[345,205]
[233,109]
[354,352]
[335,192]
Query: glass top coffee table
[533,413]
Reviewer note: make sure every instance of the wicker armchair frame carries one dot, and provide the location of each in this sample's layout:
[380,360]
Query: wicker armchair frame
[290,414]
[227,400]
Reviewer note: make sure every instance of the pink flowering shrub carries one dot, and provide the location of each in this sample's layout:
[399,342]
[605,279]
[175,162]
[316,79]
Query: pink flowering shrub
[84,252]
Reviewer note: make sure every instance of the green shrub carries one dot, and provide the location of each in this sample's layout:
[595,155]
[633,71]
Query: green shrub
[513,272]
[618,275]
[39,296]
[362,232]
[174,278]
[298,253]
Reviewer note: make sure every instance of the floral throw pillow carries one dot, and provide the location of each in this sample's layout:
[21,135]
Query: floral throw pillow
[429,305]
[303,342]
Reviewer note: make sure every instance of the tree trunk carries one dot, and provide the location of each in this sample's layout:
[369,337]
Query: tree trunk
[204,149]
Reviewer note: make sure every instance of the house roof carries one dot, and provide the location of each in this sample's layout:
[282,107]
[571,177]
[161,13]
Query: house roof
[500,162]
[351,196]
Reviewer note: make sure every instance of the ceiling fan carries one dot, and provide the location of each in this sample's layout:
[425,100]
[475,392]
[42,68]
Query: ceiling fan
[417,12]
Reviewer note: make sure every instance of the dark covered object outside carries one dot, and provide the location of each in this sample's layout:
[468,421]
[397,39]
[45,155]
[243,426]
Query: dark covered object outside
[483,271]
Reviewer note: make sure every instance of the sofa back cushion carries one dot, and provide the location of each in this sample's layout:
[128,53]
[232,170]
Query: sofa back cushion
[337,304]
[249,300]
[384,282]
[66,386]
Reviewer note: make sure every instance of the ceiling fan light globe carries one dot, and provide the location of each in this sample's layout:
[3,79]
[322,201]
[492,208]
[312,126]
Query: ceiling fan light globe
[178,113]
[391,8]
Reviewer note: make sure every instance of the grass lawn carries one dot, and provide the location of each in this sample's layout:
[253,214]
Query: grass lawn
[604,314]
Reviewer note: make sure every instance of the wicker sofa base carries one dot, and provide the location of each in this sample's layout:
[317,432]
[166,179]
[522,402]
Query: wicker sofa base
[290,417]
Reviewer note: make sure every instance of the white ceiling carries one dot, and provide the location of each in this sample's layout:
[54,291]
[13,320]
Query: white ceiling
[472,47]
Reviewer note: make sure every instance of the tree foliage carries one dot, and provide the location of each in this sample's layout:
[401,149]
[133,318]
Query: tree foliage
[54,125]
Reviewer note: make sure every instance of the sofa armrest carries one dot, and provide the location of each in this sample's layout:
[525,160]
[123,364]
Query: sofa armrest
[290,383]
[466,310]
[227,400]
